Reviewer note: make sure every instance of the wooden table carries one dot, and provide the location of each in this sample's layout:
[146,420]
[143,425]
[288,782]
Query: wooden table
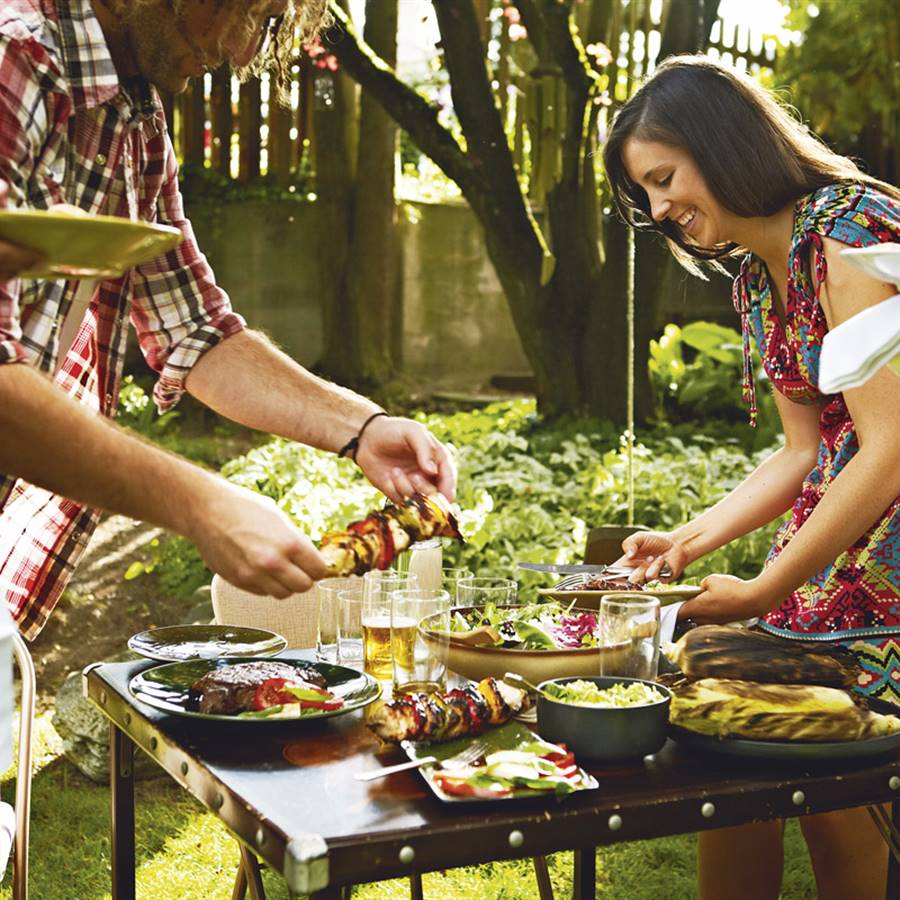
[287,792]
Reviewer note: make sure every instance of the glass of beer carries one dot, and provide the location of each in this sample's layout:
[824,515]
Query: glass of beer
[376,619]
[419,665]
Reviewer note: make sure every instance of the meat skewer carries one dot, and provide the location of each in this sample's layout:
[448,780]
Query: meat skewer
[375,541]
[443,717]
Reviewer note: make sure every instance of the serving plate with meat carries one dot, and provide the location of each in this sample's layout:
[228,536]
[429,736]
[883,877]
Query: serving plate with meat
[254,690]
[587,590]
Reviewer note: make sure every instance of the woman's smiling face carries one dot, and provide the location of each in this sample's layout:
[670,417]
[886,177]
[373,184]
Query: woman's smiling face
[676,190]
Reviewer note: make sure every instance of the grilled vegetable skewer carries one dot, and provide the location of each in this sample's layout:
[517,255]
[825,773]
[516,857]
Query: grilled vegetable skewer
[443,717]
[375,541]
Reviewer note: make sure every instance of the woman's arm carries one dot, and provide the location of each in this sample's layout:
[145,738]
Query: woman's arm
[765,494]
[854,501]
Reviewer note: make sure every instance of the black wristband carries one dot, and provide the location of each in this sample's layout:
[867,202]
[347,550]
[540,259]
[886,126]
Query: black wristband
[352,446]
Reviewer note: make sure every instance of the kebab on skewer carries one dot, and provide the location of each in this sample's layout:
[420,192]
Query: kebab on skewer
[443,717]
[375,541]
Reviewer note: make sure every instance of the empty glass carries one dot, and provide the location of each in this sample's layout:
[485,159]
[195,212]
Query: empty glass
[629,636]
[327,593]
[419,664]
[378,586]
[451,577]
[480,590]
[349,628]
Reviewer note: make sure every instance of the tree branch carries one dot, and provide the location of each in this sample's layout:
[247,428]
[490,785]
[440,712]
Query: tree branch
[407,107]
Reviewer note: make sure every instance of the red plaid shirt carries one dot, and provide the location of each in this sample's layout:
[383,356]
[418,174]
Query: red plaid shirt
[72,132]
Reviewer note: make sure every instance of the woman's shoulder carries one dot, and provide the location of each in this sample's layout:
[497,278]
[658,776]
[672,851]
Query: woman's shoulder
[851,212]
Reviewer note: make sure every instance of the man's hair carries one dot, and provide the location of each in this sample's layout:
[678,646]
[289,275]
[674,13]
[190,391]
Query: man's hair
[753,153]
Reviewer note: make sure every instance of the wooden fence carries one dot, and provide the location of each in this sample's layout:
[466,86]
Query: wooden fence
[239,131]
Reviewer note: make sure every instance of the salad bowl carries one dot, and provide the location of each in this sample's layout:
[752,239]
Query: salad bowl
[536,660]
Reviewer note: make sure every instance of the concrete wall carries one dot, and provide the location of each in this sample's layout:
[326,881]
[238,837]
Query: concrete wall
[457,329]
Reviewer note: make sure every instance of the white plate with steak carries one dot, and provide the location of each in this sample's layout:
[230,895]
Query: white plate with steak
[254,690]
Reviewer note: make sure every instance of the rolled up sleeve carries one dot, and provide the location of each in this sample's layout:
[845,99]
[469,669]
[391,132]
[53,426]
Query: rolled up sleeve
[178,310]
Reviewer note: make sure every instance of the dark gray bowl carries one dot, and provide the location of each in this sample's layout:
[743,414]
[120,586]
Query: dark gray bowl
[602,734]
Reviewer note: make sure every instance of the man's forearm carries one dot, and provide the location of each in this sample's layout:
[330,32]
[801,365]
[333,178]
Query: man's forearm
[765,494]
[248,380]
[51,441]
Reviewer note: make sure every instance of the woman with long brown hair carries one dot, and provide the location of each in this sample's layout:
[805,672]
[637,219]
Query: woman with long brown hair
[711,160]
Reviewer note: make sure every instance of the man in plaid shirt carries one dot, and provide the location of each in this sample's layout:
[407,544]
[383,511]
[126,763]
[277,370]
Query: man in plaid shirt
[81,124]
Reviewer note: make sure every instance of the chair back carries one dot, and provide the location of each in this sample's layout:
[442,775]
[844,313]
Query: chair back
[295,618]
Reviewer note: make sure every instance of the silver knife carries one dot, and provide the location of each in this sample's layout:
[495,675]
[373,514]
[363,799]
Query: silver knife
[584,568]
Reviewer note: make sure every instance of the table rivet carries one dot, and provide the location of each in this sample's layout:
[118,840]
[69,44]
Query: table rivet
[406,854]
[516,839]
[614,822]
[260,837]
[218,801]
[127,718]
[154,743]
[708,810]
[184,768]
[798,798]
[103,697]
[894,783]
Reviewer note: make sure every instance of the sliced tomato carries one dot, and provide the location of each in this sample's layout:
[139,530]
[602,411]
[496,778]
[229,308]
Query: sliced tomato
[272,693]
[457,788]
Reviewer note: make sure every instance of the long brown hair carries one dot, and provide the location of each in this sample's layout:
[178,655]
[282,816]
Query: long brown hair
[754,155]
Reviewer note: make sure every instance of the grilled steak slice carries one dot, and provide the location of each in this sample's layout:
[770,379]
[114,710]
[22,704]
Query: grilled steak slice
[230,689]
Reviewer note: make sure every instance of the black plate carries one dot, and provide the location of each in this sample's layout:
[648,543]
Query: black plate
[178,643]
[805,751]
[168,688]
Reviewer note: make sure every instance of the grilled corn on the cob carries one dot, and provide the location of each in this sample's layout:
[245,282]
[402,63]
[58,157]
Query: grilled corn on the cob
[717,651]
[795,712]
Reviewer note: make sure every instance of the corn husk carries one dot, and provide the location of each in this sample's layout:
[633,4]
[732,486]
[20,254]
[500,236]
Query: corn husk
[774,712]
[719,651]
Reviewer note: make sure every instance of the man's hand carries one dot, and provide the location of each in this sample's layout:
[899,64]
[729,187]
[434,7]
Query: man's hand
[401,457]
[15,259]
[251,543]
[648,551]
[726,598]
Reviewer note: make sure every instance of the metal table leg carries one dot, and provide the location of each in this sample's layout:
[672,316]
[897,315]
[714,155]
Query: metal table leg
[585,874]
[121,783]
[253,874]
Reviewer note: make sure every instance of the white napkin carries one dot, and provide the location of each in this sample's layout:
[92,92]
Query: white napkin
[856,349]
[667,618]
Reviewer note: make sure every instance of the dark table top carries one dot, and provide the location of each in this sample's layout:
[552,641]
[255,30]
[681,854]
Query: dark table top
[287,790]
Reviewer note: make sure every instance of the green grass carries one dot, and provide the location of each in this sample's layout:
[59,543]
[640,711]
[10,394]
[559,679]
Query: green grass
[184,853]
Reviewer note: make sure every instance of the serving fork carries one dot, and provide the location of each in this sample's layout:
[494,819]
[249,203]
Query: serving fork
[465,757]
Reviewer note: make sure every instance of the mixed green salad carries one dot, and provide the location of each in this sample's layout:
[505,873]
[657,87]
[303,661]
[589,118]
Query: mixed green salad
[533,626]
[620,695]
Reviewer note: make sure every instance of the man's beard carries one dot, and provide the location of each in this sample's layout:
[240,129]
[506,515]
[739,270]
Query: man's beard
[151,33]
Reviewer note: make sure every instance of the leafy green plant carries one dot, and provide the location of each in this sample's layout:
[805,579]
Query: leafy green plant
[138,413]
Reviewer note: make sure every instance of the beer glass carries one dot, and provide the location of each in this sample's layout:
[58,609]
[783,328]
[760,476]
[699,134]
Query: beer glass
[419,665]
[349,628]
[376,619]
[629,636]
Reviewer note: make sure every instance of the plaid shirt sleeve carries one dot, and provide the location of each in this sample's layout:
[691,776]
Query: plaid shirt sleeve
[23,125]
[178,310]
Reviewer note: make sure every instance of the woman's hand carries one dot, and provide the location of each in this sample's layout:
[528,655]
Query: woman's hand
[648,551]
[726,598]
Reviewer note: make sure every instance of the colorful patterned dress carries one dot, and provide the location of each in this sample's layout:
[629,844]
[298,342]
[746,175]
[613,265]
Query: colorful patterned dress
[856,599]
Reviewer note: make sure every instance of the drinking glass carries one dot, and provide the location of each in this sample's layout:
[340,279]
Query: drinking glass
[419,665]
[349,628]
[327,593]
[423,559]
[479,591]
[451,577]
[376,619]
[629,636]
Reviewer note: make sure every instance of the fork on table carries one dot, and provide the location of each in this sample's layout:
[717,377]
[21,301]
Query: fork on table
[465,757]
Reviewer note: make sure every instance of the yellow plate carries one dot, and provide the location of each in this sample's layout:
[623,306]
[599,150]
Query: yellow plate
[84,246]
